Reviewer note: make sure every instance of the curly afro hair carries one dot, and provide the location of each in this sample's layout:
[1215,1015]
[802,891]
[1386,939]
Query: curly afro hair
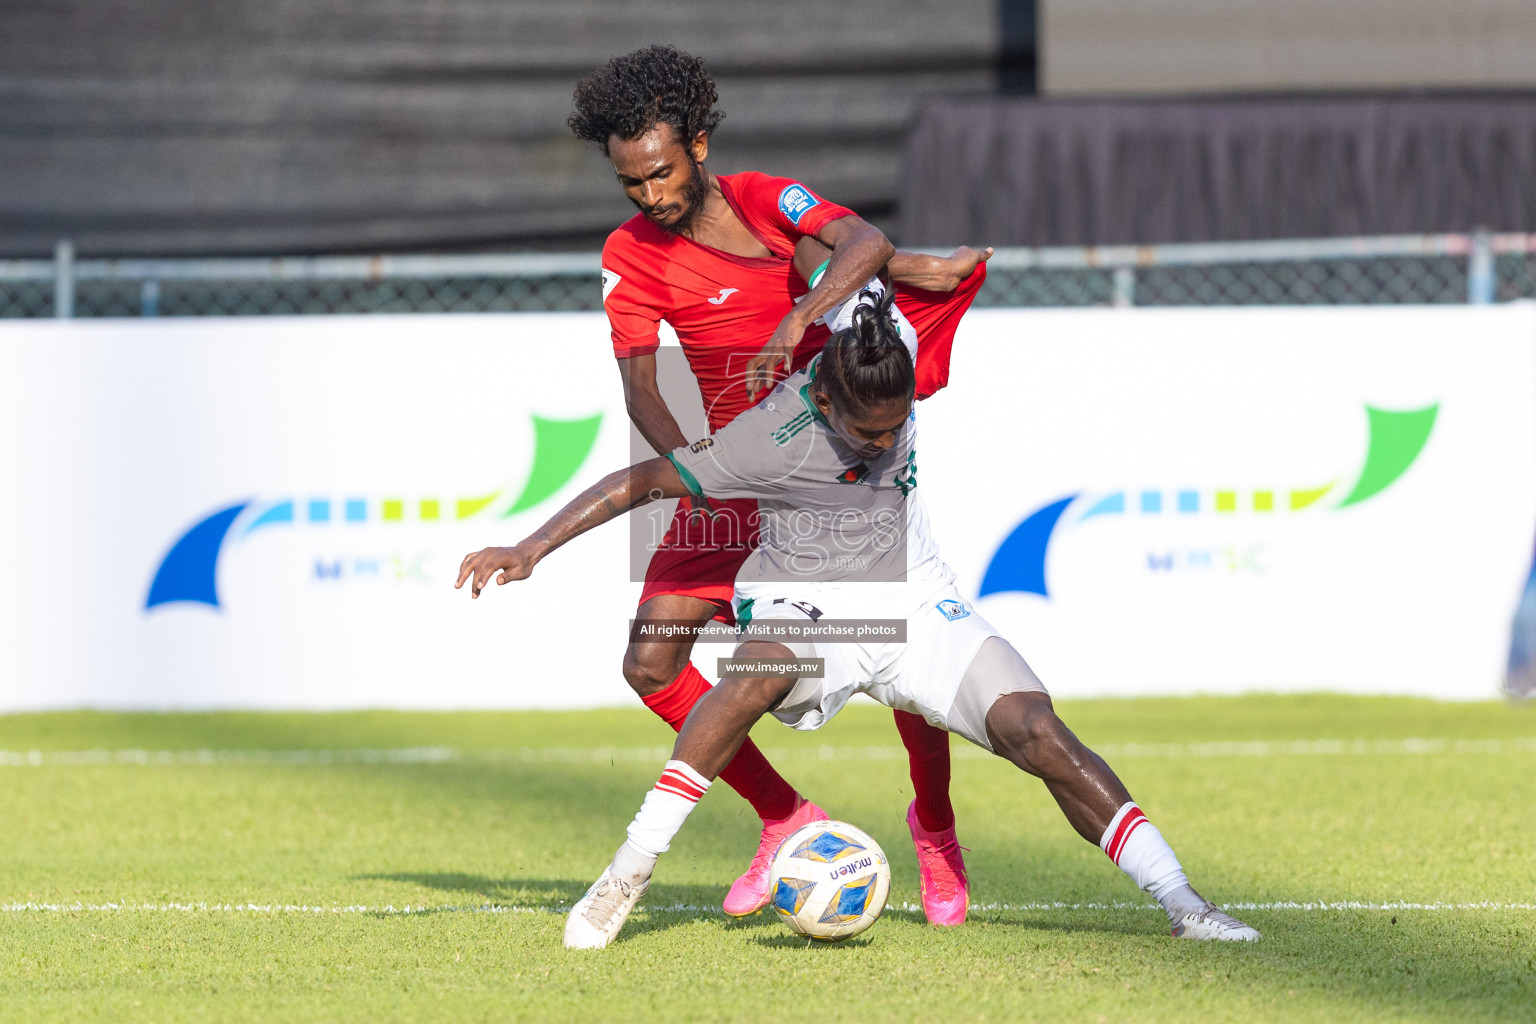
[630,94]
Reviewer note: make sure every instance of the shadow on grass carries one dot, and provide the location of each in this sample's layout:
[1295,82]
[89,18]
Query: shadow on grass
[663,906]
[792,941]
[1438,965]
[1129,922]
[669,906]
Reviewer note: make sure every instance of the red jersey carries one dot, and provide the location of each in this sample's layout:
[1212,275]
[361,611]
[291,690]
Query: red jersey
[724,308]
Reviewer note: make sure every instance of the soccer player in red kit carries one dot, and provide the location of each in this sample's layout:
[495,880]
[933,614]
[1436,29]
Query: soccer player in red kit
[712,255]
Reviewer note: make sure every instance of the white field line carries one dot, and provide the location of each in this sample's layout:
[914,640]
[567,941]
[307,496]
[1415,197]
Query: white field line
[656,755]
[72,758]
[128,906]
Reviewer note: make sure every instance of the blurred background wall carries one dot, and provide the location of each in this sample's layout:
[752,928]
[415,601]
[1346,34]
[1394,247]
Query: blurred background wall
[1229,120]
[1133,47]
[161,127]
[1209,169]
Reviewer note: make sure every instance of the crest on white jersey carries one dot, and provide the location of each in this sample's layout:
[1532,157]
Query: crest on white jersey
[609,280]
[952,609]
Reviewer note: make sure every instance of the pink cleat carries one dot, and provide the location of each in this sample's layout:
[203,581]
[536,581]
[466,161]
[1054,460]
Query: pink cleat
[940,873]
[750,892]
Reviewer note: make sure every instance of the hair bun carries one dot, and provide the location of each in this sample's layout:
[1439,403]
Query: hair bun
[872,315]
[868,362]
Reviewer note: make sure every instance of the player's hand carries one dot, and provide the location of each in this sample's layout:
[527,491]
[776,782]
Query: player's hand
[513,564]
[957,266]
[762,371]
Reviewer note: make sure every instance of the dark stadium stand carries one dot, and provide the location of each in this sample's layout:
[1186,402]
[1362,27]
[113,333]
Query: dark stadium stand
[1205,169]
[160,127]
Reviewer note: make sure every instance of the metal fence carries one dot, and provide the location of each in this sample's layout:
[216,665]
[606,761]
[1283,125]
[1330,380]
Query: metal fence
[1476,268]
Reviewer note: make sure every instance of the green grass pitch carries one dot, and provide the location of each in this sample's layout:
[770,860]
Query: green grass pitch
[292,867]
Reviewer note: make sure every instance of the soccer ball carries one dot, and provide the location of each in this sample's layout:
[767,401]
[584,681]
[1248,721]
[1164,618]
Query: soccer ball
[830,880]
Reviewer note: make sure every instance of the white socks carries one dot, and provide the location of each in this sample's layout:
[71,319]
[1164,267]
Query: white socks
[1138,849]
[632,865]
[666,807]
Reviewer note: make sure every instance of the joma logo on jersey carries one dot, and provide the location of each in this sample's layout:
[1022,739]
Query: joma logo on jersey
[794,201]
[725,293]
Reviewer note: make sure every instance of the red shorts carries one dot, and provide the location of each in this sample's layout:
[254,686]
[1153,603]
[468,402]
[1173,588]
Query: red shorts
[701,554]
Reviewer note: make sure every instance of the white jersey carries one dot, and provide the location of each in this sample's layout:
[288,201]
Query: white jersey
[845,538]
[827,514]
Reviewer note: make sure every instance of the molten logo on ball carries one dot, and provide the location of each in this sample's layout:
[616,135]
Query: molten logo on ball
[831,881]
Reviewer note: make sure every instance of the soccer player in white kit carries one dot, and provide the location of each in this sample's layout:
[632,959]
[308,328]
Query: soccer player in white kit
[831,456]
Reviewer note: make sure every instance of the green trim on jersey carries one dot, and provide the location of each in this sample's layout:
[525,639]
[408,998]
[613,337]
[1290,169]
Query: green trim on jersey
[744,612]
[805,393]
[782,435]
[906,477]
[805,396]
[689,480]
[816,274]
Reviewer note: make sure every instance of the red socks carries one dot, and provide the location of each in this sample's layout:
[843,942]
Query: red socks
[749,772]
[774,799]
[928,758]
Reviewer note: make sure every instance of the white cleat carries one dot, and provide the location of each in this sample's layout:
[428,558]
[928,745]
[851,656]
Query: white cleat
[1208,923]
[597,917]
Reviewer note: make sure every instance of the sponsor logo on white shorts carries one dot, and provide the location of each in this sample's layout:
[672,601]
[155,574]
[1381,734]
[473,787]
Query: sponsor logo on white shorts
[794,201]
[952,610]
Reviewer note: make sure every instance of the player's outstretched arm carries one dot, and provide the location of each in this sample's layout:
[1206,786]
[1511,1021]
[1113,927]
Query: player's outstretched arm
[607,499]
[919,270]
[935,273]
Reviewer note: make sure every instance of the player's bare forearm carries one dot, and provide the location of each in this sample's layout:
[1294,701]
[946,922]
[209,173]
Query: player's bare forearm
[920,270]
[647,409]
[605,500]
[936,273]
[859,251]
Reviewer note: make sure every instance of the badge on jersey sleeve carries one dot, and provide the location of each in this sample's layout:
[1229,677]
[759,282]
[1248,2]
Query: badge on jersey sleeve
[610,279]
[794,201]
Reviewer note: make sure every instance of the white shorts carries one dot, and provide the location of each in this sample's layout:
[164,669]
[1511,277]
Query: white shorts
[922,675]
